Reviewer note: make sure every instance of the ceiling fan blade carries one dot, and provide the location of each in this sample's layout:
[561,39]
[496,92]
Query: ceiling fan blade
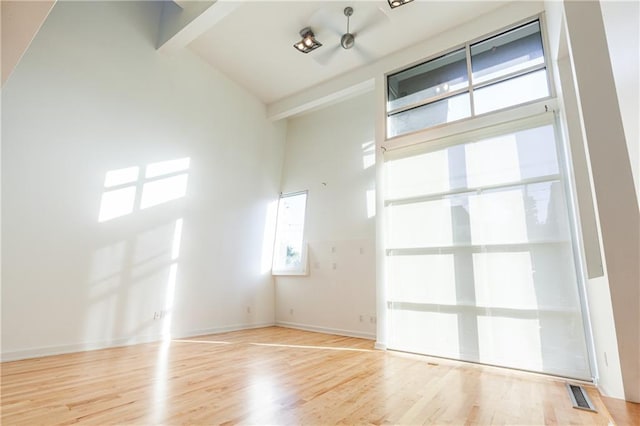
[323,58]
[376,18]
[321,20]
[366,55]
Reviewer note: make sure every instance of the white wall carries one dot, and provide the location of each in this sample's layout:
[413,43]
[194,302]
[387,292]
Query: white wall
[622,26]
[594,116]
[92,95]
[330,152]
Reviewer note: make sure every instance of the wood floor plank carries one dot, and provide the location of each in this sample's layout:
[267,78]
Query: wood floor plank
[278,376]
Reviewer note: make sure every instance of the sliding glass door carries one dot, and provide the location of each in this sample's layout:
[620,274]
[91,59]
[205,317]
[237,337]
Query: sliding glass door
[480,262]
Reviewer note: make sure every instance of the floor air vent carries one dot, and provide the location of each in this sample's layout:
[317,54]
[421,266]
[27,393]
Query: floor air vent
[579,398]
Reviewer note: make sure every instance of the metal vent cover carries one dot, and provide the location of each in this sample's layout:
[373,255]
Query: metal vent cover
[579,398]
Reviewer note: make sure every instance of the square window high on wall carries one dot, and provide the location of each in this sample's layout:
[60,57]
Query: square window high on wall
[496,72]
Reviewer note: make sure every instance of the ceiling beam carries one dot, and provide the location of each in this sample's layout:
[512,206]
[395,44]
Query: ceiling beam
[180,25]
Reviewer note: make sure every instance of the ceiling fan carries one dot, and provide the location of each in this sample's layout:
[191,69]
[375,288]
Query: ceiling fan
[348,38]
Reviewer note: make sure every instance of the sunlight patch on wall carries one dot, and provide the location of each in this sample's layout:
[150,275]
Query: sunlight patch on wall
[121,176]
[171,284]
[163,190]
[371,203]
[368,154]
[125,191]
[167,167]
[127,284]
[119,202]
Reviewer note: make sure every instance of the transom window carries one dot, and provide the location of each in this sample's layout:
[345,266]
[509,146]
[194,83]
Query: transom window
[498,72]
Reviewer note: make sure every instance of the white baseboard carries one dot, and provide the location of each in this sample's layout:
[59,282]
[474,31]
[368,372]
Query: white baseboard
[380,345]
[326,330]
[222,329]
[124,341]
[606,392]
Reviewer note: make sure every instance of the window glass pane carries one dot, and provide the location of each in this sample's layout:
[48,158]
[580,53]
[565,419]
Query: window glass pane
[511,92]
[492,267]
[504,279]
[498,217]
[504,159]
[439,112]
[423,278]
[289,248]
[506,53]
[439,76]
[523,214]
[545,211]
[427,332]
[512,342]
[509,158]
[415,225]
[419,175]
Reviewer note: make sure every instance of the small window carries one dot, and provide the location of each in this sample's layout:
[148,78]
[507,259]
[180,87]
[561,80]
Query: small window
[290,251]
[498,72]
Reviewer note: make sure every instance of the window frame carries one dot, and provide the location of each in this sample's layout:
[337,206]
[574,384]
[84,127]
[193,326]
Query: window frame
[303,267]
[466,46]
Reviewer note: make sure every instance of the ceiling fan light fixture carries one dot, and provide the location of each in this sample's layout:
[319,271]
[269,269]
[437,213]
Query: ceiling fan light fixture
[308,42]
[347,40]
[395,3]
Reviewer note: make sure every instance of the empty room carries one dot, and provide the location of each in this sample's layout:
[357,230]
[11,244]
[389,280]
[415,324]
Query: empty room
[320,212]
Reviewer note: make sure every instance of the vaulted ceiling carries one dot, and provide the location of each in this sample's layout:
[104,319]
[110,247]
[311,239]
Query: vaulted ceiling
[253,43]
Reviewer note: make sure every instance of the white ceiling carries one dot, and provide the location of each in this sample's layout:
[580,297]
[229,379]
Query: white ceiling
[253,45]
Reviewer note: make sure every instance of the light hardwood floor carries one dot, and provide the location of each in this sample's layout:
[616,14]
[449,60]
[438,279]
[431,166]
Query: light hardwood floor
[277,376]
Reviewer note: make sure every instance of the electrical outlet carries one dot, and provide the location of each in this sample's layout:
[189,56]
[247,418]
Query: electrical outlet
[361,318]
[248,309]
[291,311]
[335,266]
[372,320]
